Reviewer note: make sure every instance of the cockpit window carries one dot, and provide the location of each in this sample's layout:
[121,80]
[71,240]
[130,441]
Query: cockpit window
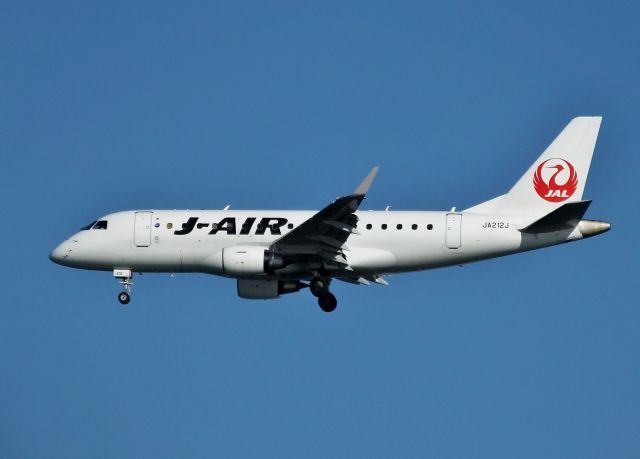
[85,228]
[100,224]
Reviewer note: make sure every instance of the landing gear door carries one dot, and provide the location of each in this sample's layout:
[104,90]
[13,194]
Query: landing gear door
[454,228]
[142,229]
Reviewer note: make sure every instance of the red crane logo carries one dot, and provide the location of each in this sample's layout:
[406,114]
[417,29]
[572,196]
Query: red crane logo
[555,186]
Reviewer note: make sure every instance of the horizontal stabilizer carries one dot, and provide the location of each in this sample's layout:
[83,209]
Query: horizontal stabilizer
[564,217]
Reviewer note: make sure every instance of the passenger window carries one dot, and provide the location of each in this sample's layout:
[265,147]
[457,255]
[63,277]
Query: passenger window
[100,225]
[384,226]
[369,226]
[414,227]
[429,226]
[399,226]
[290,226]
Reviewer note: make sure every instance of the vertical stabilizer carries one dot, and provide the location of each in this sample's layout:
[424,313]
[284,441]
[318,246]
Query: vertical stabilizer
[559,175]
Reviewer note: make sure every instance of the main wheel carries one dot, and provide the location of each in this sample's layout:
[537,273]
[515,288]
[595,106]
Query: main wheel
[319,287]
[124,298]
[327,302]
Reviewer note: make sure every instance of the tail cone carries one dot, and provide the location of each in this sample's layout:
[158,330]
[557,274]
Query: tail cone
[590,228]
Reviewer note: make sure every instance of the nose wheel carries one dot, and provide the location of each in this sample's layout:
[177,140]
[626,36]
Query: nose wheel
[124,277]
[124,298]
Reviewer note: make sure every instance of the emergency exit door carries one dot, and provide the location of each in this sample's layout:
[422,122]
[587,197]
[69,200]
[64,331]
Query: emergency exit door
[142,229]
[454,228]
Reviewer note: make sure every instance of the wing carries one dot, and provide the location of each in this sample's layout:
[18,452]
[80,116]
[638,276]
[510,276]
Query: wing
[321,240]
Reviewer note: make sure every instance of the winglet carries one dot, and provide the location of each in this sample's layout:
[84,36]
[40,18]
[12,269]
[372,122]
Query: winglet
[363,188]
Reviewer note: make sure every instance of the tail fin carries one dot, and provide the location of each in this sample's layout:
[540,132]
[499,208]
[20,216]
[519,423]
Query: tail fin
[557,177]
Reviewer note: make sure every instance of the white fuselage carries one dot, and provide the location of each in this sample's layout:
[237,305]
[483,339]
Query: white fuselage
[389,241]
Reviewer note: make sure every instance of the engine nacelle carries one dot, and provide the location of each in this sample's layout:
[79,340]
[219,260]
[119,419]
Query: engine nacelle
[266,289]
[242,260]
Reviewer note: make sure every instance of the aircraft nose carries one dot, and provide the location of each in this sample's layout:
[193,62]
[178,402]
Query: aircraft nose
[60,254]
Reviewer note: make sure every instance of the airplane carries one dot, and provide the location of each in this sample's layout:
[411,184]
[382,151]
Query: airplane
[275,252]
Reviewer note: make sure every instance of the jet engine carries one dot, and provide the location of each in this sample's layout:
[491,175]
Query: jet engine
[266,289]
[247,260]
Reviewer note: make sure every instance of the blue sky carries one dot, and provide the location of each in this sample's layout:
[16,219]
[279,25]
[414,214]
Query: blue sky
[109,106]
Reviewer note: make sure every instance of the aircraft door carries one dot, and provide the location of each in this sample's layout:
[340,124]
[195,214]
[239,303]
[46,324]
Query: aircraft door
[454,229]
[142,229]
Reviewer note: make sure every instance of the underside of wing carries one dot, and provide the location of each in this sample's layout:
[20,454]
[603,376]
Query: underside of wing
[364,280]
[321,241]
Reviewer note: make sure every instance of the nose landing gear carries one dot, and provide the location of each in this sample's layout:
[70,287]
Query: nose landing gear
[124,277]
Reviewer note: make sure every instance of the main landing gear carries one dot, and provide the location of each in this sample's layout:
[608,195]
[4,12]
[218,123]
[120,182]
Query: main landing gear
[327,302]
[320,288]
[124,277]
